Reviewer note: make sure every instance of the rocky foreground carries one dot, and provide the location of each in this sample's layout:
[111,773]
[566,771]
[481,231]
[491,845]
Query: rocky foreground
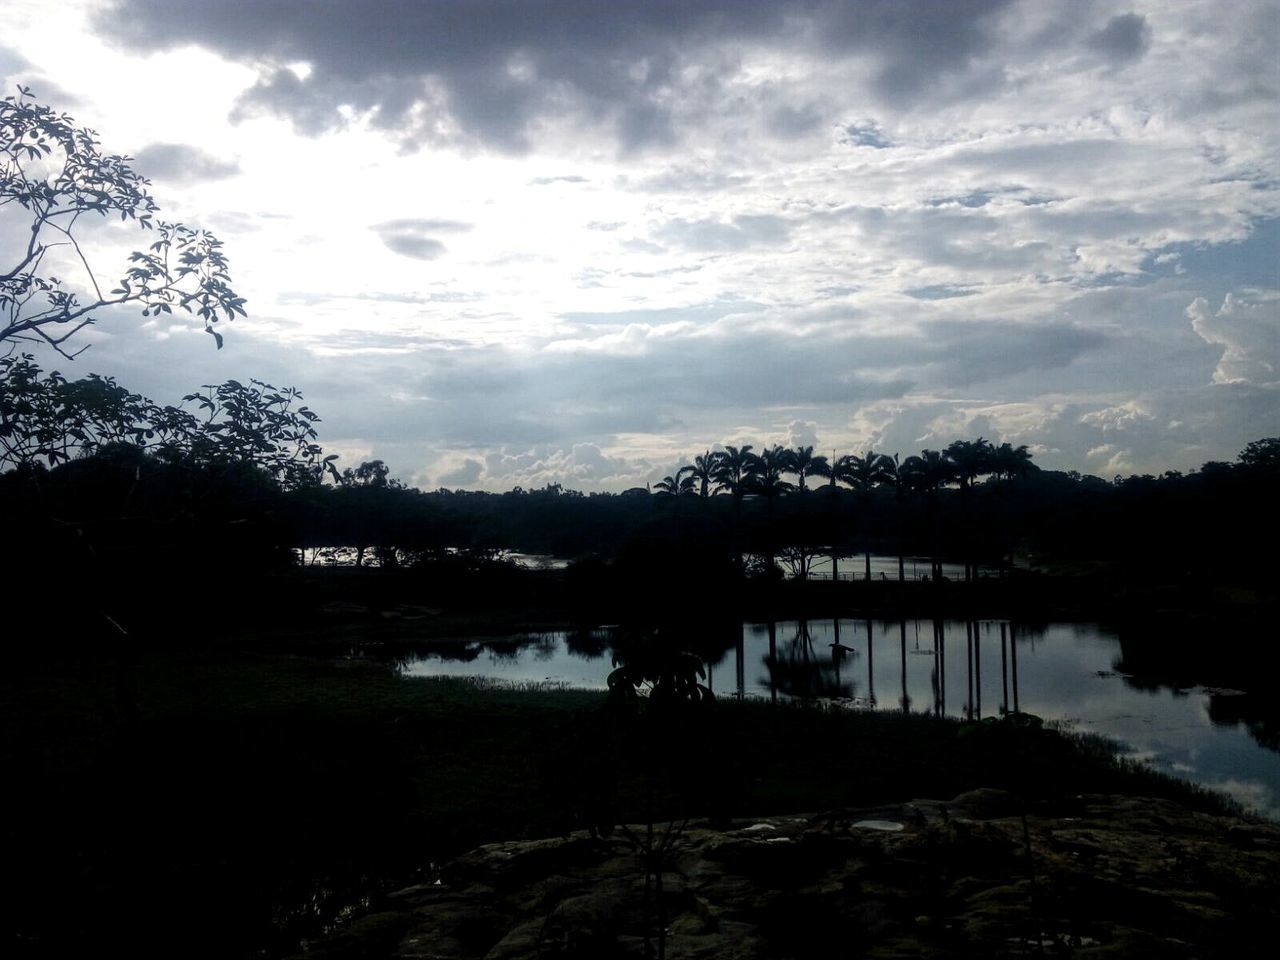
[1099,876]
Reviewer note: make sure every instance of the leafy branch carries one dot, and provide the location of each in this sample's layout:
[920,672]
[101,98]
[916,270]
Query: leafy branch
[58,173]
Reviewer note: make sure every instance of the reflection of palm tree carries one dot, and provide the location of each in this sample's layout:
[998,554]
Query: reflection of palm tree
[800,673]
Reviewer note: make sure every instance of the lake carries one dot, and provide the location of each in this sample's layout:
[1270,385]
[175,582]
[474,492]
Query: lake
[1070,673]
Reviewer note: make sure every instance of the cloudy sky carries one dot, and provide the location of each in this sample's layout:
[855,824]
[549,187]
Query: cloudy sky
[500,242]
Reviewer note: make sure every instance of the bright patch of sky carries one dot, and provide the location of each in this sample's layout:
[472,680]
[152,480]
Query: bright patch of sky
[524,242]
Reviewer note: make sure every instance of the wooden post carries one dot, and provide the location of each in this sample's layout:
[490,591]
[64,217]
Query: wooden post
[773,661]
[902,641]
[977,668]
[871,680]
[1004,667]
[1013,656]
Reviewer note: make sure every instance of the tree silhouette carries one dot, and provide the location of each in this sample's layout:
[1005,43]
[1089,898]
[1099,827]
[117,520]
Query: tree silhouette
[674,485]
[703,472]
[58,174]
[864,474]
[805,464]
[1010,462]
[969,460]
[735,470]
[767,482]
[926,475]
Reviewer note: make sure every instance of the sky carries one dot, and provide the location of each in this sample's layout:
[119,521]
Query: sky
[500,243]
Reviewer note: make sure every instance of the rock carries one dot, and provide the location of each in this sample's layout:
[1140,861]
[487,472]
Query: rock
[1119,877]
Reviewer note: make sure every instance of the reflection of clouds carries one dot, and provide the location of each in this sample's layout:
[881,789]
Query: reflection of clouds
[1254,796]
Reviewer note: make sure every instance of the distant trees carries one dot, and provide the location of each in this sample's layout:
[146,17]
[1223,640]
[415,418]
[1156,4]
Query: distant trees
[58,174]
[1262,455]
[740,472]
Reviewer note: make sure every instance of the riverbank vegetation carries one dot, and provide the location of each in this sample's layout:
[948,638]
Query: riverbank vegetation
[217,803]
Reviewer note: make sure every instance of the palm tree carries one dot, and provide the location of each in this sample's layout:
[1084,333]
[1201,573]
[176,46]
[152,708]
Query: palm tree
[674,485]
[970,460]
[805,464]
[703,472]
[1008,461]
[734,470]
[771,464]
[864,474]
[925,475]
[894,477]
[831,469]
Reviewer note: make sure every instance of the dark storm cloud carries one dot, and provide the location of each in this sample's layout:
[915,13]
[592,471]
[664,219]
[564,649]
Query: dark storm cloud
[866,133]
[487,394]
[488,70]
[411,238]
[1123,39]
[182,163]
[649,377]
[964,354]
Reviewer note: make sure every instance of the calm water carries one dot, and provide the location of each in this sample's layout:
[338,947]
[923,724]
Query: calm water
[1063,672]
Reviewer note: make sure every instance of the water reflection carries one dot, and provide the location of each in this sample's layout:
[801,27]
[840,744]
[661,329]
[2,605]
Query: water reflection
[1080,674]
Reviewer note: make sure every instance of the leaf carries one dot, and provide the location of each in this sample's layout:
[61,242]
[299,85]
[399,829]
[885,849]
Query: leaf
[216,336]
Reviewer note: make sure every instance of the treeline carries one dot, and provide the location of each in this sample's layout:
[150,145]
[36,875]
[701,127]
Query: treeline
[236,480]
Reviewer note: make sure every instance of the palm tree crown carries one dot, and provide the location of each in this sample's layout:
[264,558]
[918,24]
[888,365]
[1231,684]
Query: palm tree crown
[703,472]
[805,464]
[674,485]
[735,469]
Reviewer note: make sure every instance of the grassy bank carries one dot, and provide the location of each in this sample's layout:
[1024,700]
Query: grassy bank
[215,805]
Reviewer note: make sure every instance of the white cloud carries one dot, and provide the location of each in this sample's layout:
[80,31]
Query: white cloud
[1248,330]
[876,224]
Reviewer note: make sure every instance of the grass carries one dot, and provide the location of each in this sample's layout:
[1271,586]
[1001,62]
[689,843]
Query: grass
[219,804]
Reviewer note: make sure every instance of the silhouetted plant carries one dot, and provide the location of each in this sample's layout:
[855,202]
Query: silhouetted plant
[805,464]
[675,485]
[658,704]
[57,172]
[703,472]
